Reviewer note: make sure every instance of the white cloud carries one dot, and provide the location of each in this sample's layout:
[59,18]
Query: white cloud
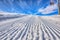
[48,9]
[23,4]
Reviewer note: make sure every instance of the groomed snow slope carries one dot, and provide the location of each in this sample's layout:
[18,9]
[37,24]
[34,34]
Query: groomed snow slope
[31,28]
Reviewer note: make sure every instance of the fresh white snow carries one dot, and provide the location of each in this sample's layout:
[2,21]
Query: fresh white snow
[31,28]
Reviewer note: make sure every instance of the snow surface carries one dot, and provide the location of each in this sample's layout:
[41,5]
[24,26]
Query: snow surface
[31,28]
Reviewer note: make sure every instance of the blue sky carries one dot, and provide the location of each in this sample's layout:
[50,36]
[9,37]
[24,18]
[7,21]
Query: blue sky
[34,7]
